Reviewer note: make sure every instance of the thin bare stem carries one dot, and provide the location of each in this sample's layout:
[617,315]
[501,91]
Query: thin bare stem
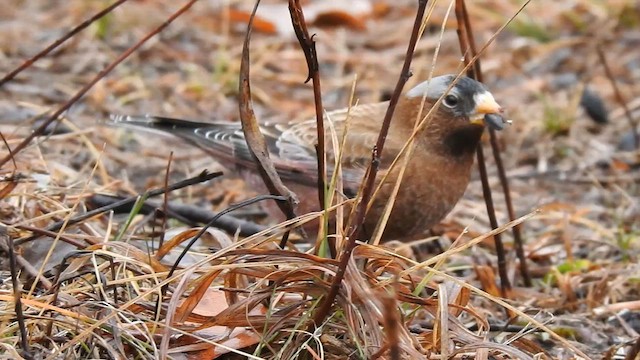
[635,350]
[60,41]
[53,117]
[357,225]
[468,48]
[188,214]
[505,284]
[13,266]
[308,45]
[391,323]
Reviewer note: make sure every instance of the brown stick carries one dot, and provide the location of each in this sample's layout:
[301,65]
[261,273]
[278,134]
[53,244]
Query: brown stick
[634,351]
[355,229]
[17,294]
[468,48]
[308,46]
[38,131]
[188,214]
[391,323]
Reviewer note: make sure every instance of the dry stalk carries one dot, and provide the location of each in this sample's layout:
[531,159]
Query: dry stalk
[355,229]
[469,51]
[308,46]
[27,63]
[17,293]
[255,139]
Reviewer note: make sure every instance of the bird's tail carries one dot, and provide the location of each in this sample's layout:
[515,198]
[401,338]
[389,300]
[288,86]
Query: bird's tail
[211,137]
[156,122]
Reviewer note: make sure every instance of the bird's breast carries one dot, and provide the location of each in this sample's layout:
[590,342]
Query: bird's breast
[430,188]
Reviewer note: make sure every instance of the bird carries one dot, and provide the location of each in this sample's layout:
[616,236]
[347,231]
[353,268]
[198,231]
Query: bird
[436,174]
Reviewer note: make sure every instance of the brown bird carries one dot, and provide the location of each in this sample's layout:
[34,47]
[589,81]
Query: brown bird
[436,174]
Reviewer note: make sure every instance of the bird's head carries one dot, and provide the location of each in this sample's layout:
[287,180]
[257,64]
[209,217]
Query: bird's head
[467,100]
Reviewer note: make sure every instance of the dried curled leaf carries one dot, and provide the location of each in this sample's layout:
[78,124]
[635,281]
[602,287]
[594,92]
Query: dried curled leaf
[255,139]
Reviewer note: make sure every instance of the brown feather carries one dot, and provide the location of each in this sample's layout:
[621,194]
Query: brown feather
[435,177]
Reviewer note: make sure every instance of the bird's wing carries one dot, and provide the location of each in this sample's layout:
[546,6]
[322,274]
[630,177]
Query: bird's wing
[291,145]
[361,124]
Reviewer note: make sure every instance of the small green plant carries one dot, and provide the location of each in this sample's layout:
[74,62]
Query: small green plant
[566,267]
[629,17]
[531,29]
[556,121]
[625,240]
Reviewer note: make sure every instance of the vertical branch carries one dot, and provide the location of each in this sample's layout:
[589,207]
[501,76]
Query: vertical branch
[634,351]
[308,46]
[13,266]
[355,230]
[468,48]
[619,98]
[391,323]
[255,140]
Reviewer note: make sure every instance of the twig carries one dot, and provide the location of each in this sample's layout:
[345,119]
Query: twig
[60,41]
[619,98]
[15,282]
[53,234]
[255,139]
[357,225]
[202,177]
[308,46]
[188,214]
[13,159]
[468,48]
[218,216]
[391,324]
[39,130]
[633,352]
[27,266]
[505,284]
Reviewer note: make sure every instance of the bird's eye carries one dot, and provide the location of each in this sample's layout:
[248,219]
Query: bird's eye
[451,101]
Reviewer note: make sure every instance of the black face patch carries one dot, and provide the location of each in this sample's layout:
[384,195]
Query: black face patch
[464,140]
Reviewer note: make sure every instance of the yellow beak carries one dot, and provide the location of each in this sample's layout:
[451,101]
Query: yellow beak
[485,104]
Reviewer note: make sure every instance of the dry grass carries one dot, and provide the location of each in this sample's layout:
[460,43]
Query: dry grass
[99,288]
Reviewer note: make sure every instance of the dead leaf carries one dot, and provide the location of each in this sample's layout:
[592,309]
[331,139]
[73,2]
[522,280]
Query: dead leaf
[212,303]
[274,18]
[259,24]
[255,139]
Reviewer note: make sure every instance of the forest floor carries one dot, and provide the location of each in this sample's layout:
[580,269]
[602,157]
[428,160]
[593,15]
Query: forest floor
[569,156]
